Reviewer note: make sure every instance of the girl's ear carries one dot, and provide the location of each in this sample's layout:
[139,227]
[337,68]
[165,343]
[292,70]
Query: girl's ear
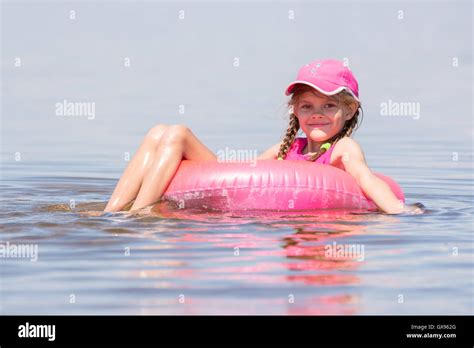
[351,110]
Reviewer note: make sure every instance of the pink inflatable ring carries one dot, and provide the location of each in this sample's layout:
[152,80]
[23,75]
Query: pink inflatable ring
[268,185]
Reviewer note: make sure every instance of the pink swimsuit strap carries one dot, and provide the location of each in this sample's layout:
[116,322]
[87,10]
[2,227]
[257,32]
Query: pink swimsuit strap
[296,152]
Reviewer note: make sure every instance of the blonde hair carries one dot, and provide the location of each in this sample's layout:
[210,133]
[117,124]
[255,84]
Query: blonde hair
[349,127]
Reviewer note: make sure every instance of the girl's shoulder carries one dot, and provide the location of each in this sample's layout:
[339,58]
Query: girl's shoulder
[346,147]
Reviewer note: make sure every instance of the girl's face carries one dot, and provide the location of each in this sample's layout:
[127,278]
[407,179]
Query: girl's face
[320,117]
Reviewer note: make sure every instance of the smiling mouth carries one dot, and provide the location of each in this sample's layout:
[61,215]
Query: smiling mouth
[318,124]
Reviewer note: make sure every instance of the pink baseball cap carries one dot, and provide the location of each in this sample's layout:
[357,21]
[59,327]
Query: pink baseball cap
[328,76]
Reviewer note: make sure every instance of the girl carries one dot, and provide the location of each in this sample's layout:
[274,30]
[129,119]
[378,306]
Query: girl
[324,104]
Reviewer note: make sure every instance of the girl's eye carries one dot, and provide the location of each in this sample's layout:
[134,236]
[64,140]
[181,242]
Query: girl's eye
[305,106]
[330,105]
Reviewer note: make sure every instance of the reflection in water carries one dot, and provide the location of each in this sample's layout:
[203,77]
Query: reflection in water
[259,259]
[164,260]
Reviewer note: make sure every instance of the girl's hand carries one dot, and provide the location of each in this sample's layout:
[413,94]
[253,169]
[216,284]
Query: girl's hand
[413,209]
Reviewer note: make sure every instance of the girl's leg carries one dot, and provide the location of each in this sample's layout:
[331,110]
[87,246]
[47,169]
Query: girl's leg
[130,182]
[177,143]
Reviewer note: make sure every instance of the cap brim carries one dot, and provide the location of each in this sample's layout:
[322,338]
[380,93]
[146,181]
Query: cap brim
[325,87]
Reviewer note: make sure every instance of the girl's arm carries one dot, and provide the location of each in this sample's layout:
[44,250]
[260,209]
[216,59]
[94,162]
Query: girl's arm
[270,153]
[353,161]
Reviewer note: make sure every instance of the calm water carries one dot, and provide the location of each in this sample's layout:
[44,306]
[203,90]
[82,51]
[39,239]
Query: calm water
[144,264]
[188,262]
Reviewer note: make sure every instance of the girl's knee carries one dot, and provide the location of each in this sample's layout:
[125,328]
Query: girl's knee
[156,132]
[176,133]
